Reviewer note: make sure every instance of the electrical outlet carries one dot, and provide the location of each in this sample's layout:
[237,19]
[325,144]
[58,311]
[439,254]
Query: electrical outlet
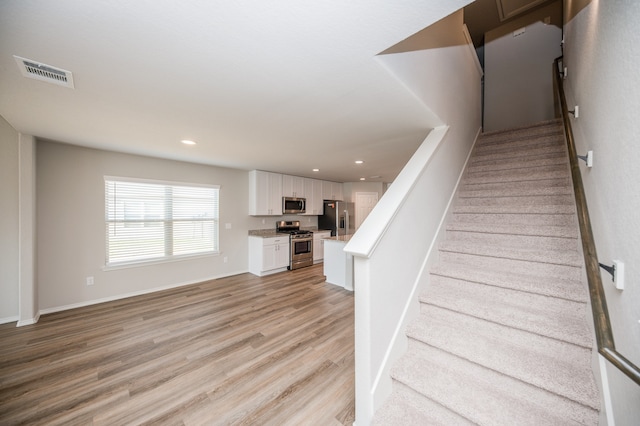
[576,114]
[589,158]
[90,281]
[225,259]
[227,226]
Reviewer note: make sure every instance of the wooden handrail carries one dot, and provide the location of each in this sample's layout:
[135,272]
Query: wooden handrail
[604,334]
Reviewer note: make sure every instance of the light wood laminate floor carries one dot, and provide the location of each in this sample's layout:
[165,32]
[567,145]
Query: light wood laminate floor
[241,350]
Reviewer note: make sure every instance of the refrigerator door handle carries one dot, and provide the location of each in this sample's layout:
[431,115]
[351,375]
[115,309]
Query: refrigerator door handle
[346,222]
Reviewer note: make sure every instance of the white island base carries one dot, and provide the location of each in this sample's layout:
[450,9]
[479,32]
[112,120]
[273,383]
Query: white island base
[338,265]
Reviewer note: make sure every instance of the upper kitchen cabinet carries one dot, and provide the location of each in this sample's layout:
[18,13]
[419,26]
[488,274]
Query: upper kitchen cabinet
[265,193]
[313,194]
[332,191]
[293,186]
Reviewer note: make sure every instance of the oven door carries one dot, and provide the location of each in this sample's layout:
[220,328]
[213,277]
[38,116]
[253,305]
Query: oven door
[301,253]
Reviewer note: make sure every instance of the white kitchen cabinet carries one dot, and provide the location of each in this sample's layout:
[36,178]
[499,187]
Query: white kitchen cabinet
[268,255]
[293,186]
[332,191]
[318,244]
[265,193]
[313,193]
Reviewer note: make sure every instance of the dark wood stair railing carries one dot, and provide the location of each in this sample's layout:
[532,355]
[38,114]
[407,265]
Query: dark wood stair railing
[602,323]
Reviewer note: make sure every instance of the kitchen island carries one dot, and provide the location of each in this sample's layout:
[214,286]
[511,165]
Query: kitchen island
[338,265]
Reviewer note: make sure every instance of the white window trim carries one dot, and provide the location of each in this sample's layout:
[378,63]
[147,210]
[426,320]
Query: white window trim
[164,259]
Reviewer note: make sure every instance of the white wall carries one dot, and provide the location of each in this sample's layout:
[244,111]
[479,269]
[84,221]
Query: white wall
[518,86]
[602,54]
[9,248]
[71,229]
[392,246]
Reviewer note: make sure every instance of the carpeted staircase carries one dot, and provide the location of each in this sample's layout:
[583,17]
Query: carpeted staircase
[502,337]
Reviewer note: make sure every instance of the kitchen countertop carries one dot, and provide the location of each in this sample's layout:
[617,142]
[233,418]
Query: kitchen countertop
[340,238]
[270,233]
[265,233]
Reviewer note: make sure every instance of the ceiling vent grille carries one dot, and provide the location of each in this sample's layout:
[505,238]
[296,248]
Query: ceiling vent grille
[43,72]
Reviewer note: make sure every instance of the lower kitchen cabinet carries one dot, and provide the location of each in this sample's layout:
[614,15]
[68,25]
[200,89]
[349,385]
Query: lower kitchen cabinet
[318,244]
[268,255]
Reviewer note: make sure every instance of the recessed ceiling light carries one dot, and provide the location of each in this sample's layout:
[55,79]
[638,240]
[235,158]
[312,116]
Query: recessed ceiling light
[316,170]
[187,142]
[359,161]
[362,178]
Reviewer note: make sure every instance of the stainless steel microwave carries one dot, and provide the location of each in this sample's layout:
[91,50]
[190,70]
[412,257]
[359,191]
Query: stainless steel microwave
[293,205]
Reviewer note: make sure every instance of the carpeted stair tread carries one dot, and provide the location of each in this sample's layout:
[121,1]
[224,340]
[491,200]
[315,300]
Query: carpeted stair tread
[515,229]
[534,359]
[511,209]
[513,161]
[517,201]
[506,241]
[546,164]
[553,123]
[560,287]
[408,407]
[521,156]
[481,395]
[565,217]
[547,316]
[518,188]
[524,131]
[555,257]
[494,165]
[521,185]
[547,138]
[543,141]
[502,265]
[527,175]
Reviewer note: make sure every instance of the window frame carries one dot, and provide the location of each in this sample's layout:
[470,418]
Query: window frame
[167,223]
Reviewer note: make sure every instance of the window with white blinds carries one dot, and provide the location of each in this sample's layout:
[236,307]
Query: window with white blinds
[155,221]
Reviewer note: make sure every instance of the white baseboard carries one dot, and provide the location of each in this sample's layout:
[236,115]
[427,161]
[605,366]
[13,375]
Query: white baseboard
[9,319]
[132,294]
[29,321]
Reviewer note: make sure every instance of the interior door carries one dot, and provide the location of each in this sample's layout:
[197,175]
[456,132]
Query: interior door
[365,202]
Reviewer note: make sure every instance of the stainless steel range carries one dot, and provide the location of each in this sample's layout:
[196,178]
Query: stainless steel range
[301,252]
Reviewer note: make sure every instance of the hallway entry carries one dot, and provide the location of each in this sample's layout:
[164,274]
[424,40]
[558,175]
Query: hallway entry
[365,201]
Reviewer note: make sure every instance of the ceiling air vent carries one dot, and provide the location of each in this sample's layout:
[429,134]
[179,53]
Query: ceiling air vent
[43,72]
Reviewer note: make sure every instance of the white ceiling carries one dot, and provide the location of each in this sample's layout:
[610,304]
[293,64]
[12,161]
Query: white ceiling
[284,86]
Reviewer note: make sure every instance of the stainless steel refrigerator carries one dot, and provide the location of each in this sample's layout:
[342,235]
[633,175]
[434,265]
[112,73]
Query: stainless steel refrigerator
[339,217]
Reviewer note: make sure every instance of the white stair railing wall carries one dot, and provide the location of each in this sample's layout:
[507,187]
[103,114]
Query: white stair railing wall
[392,249]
